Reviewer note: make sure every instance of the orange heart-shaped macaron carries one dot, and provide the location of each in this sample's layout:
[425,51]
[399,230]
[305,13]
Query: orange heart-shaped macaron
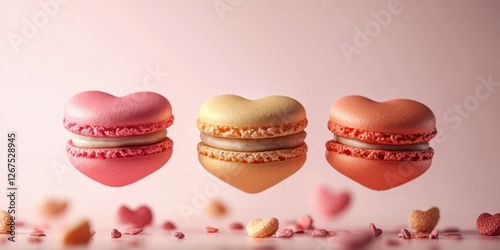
[424,221]
[252,144]
[380,145]
[258,228]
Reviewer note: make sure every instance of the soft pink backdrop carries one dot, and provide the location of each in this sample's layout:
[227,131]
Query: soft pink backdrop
[431,51]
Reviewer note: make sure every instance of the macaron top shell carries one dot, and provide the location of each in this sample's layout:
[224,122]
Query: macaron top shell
[395,116]
[236,117]
[95,113]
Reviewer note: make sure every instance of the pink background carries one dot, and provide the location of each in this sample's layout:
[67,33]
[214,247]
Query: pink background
[433,52]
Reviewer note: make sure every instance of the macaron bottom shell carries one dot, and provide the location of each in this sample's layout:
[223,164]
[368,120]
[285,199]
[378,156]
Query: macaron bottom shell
[377,174]
[252,177]
[120,172]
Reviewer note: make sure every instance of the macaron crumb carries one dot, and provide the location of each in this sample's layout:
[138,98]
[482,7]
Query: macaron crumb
[284,233]
[320,233]
[178,235]
[115,234]
[37,234]
[211,229]
[133,231]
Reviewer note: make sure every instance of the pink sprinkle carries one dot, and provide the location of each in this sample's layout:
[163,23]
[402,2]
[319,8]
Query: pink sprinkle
[320,233]
[306,222]
[405,234]
[375,231]
[434,234]
[236,226]
[392,242]
[178,235]
[37,233]
[284,233]
[211,230]
[133,231]
[92,232]
[168,225]
[115,234]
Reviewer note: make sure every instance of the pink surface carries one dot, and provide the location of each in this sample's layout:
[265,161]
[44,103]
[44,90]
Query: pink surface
[444,54]
[95,113]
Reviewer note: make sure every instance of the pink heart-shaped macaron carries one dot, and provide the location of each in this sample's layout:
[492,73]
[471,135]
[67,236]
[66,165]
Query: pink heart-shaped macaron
[488,225]
[331,203]
[140,217]
[117,141]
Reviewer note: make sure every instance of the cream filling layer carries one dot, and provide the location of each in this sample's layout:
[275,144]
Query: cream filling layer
[366,145]
[116,142]
[254,145]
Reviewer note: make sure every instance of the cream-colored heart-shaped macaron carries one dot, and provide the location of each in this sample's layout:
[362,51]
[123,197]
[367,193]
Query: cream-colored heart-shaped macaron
[252,144]
[424,221]
[258,228]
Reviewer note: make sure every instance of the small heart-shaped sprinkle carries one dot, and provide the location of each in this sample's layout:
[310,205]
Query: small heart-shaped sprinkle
[115,234]
[236,226]
[140,217]
[375,231]
[306,222]
[178,235]
[76,234]
[405,234]
[488,225]
[211,230]
[434,234]
[258,228]
[421,221]
[4,222]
